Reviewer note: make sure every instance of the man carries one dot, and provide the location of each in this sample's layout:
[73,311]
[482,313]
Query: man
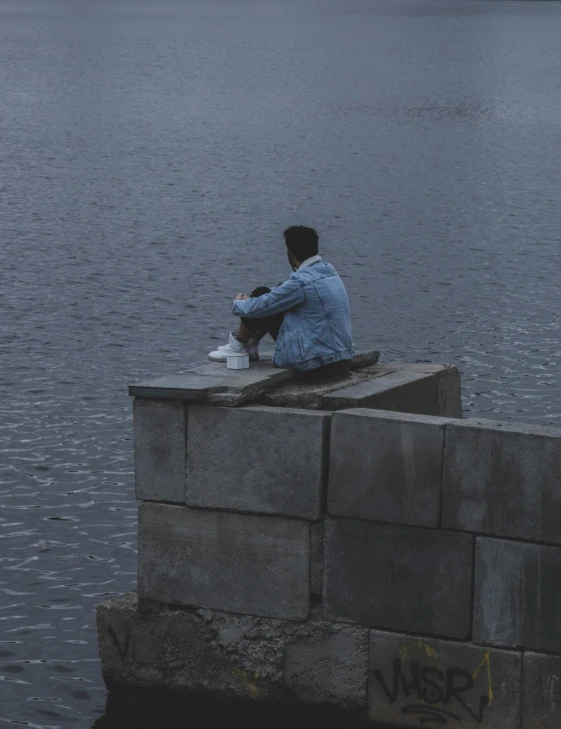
[308,315]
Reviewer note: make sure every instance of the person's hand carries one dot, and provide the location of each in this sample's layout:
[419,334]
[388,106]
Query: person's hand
[241,297]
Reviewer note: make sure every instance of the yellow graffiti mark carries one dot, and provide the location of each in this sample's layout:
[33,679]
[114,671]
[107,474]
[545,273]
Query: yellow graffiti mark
[248,677]
[245,675]
[422,645]
[551,683]
[486,661]
[431,653]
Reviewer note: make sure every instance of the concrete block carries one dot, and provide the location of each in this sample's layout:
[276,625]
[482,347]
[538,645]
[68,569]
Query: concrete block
[397,577]
[259,565]
[257,459]
[154,650]
[449,393]
[517,595]
[263,369]
[407,390]
[231,656]
[159,449]
[502,479]
[542,691]
[225,655]
[214,384]
[386,466]
[328,665]
[413,681]
[178,387]
[402,391]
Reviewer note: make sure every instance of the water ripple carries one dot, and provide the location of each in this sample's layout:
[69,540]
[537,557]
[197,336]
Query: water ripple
[137,197]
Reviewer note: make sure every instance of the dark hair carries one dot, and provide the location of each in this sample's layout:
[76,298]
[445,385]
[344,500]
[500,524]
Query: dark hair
[301,241]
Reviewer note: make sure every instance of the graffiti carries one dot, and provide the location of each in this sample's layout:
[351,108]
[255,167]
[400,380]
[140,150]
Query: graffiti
[250,678]
[547,688]
[123,650]
[428,713]
[245,675]
[441,695]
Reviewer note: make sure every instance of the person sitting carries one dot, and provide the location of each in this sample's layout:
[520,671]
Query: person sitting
[308,315]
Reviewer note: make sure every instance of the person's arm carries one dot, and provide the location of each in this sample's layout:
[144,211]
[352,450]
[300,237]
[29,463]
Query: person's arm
[286,296]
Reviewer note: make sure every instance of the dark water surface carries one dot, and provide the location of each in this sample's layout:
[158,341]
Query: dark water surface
[151,154]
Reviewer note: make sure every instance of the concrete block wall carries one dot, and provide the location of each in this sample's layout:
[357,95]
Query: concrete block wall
[490,495]
[503,480]
[401,563]
[232,512]
[425,681]
[257,459]
[393,678]
[400,578]
[240,563]
[253,459]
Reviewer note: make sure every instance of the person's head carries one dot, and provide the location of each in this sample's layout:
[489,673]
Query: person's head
[302,243]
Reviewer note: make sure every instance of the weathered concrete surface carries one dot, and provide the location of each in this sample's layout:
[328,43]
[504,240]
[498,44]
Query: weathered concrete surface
[231,656]
[405,390]
[328,664]
[423,388]
[414,681]
[517,595]
[386,466]
[397,577]
[215,384]
[258,459]
[259,565]
[542,691]
[179,387]
[503,479]
[297,393]
[159,449]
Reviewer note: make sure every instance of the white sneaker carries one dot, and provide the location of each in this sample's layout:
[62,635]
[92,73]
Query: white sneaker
[234,347]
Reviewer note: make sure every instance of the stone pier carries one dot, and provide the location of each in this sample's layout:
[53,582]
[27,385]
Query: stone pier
[354,543]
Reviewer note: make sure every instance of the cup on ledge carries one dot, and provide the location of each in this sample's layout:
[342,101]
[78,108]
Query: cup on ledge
[237,361]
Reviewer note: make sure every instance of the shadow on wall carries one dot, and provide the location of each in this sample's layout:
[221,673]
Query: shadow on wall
[132,712]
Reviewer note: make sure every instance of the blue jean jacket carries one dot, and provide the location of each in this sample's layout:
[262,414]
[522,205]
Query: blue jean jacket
[317,323]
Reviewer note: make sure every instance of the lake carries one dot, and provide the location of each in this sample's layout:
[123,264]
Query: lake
[151,154]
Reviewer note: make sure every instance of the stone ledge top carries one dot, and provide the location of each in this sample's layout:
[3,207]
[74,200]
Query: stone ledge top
[397,417]
[353,390]
[214,384]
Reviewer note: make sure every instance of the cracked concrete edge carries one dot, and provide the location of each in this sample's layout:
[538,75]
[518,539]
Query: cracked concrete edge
[146,645]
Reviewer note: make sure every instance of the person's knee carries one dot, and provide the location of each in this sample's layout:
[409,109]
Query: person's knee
[259,291]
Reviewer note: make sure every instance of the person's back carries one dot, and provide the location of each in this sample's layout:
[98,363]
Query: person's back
[318,331]
[308,315]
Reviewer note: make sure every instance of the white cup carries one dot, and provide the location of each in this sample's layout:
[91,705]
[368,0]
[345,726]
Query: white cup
[237,361]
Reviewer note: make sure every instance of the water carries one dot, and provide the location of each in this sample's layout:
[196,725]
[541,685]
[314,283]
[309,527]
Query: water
[151,155]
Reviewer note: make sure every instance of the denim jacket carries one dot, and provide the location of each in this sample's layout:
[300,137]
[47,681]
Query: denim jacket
[317,323]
